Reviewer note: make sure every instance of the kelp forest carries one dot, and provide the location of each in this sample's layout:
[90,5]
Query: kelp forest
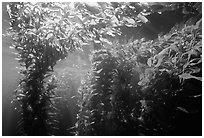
[102,68]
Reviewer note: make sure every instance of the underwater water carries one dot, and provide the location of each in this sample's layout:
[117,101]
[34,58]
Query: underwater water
[69,73]
[9,81]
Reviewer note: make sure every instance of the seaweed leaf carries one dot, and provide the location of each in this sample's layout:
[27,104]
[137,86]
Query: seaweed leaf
[189,76]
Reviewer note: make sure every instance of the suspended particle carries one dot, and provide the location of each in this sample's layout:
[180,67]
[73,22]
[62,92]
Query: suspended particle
[29,108]
[18,98]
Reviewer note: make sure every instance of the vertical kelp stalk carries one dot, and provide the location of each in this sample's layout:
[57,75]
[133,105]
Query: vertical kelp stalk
[37,56]
[95,104]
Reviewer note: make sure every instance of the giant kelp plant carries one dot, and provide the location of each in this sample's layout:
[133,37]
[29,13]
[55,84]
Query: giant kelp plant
[37,56]
[109,97]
